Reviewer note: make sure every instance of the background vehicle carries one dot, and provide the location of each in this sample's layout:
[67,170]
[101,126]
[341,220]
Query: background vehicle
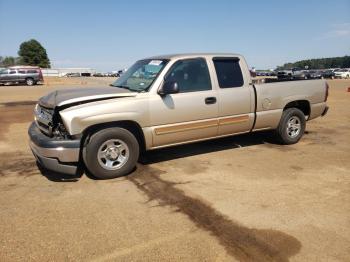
[73,75]
[329,73]
[291,74]
[313,74]
[342,73]
[98,75]
[164,101]
[28,75]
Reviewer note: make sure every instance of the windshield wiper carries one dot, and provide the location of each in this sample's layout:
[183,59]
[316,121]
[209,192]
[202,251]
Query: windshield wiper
[125,87]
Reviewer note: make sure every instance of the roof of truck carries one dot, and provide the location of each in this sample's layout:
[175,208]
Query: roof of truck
[189,55]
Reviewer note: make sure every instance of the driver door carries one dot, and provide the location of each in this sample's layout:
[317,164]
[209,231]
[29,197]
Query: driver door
[190,114]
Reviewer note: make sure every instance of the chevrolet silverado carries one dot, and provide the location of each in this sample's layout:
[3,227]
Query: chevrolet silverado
[164,101]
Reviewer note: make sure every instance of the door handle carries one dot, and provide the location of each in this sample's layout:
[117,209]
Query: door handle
[210,100]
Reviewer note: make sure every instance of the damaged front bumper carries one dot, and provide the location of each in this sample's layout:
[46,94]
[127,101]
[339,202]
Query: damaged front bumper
[59,155]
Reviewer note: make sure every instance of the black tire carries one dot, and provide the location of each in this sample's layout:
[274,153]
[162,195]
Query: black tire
[283,132]
[95,164]
[30,81]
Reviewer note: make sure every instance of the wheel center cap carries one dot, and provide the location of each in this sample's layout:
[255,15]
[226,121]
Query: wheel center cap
[112,153]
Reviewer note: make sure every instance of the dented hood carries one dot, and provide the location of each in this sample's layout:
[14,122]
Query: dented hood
[82,95]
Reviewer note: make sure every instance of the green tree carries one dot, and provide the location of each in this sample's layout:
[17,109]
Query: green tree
[320,63]
[33,53]
[8,61]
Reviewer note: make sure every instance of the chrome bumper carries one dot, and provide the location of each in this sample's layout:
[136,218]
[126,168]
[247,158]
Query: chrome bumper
[56,155]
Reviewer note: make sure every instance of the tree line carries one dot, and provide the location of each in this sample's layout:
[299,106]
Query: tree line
[320,63]
[30,53]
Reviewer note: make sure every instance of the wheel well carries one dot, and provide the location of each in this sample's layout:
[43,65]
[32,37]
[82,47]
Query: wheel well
[302,105]
[131,126]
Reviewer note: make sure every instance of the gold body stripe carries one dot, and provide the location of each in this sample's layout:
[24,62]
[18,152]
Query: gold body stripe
[201,125]
[185,127]
[233,120]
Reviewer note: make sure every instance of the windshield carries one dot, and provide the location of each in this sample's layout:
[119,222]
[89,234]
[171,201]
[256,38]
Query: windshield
[141,75]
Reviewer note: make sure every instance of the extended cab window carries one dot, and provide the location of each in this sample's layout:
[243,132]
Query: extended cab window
[229,72]
[191,75]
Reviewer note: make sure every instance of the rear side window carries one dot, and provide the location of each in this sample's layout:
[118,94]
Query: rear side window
[21,72]
[229,72]
[191,75]
[12,72]
[31,71]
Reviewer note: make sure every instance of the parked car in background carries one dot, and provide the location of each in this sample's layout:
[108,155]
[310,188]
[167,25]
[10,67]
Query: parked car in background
[329,73]
[313,74]
[72,75]
[97,75]
[291,74]
[21,74]
[342,73]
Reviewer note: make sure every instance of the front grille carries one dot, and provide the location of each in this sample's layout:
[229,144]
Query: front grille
[43,119]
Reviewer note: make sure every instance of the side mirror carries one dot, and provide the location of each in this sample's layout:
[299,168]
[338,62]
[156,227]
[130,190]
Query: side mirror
[169,87]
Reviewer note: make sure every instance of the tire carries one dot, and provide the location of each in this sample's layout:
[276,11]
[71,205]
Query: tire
[111,153]
[29,81]
[291,127]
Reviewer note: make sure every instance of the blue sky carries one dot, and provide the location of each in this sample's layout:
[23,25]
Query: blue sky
[109,35]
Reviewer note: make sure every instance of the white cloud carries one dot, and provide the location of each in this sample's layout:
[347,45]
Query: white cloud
[337,31]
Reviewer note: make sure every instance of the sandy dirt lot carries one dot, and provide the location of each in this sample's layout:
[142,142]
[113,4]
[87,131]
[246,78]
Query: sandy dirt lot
[241,198]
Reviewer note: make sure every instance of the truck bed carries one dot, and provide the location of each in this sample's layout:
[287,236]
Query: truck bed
[271,98]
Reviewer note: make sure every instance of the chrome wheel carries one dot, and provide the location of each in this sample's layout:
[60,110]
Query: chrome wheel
[293,126]
[113,154]
[30,82]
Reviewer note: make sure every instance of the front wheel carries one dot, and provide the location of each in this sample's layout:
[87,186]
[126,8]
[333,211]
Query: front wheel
[111,153]
[29,81]
[291,127]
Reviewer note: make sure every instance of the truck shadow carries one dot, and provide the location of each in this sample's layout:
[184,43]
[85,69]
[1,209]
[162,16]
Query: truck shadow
[58,177]
[175,152]
[204,147]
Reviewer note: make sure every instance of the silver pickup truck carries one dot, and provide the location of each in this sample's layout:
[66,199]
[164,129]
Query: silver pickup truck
[164,101]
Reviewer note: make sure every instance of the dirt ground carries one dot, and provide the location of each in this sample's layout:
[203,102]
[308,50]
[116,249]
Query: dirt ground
[235,199]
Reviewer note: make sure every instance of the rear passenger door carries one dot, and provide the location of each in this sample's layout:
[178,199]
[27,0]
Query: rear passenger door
[235,96]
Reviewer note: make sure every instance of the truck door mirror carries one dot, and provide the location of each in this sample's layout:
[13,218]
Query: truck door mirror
[169,87]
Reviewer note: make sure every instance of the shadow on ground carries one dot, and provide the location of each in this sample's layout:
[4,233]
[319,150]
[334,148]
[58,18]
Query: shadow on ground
[205,147]
[57,177]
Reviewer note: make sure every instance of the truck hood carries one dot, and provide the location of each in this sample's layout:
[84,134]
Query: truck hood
[82,95]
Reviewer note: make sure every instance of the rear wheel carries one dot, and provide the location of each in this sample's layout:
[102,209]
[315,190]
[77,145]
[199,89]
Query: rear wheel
[111,153]
[29,81]
[291,127]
